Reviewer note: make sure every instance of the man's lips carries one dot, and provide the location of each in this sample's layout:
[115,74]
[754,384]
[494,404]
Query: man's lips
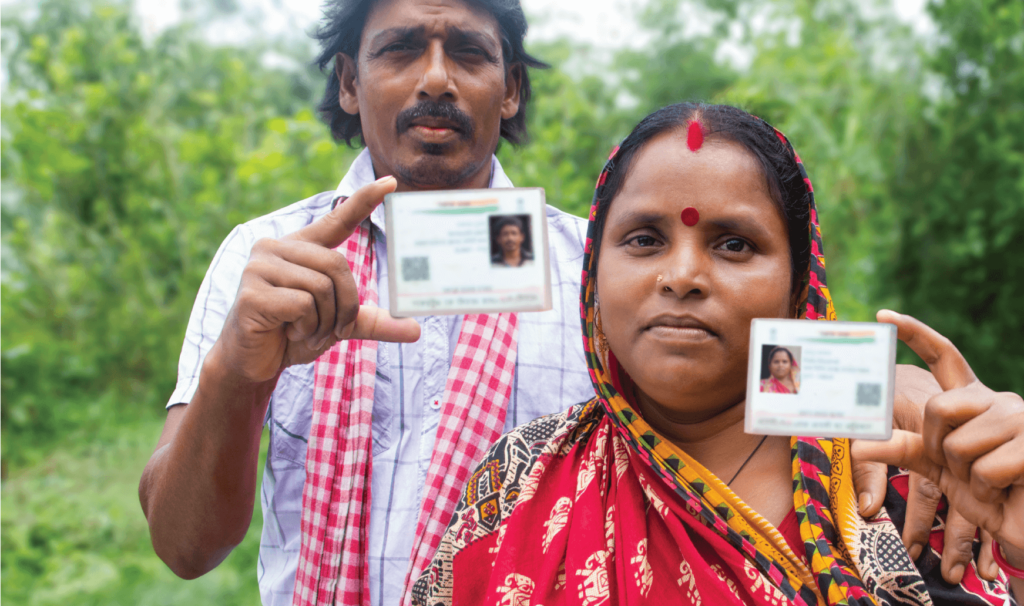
[434,125]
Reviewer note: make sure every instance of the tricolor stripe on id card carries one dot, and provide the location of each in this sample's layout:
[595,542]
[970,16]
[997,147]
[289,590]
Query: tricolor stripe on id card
[821,379]
[467,251]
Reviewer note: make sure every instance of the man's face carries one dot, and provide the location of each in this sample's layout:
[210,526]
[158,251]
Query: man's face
[510,238]
[431,88]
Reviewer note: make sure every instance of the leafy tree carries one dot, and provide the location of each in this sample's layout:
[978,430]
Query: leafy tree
[125,163]
[960,215]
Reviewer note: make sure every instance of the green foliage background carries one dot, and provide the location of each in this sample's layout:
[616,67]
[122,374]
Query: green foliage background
[126,159]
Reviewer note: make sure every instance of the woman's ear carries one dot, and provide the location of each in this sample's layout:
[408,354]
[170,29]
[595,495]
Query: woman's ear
[795,299]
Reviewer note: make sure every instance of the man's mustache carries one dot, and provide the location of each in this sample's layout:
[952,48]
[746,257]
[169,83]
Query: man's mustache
[459,120]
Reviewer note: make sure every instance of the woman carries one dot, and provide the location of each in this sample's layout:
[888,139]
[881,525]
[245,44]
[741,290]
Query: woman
[783,369]
[651,491]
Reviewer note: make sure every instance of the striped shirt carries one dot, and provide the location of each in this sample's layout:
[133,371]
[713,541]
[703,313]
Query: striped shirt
[550,376]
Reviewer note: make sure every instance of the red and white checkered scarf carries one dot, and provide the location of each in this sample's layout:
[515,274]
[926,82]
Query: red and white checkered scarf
[336,497]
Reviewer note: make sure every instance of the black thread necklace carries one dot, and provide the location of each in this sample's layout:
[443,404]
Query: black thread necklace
[763,438]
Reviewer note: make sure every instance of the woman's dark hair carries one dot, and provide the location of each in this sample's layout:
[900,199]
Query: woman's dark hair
[777,350]
[342,30]
[785,183]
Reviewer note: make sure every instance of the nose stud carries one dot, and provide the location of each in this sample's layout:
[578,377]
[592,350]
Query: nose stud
[660,278]
[690,216]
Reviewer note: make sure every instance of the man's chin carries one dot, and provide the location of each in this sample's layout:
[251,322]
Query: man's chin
[436,169]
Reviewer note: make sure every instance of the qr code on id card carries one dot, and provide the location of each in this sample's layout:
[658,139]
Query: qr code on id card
[869,394]
[415,269]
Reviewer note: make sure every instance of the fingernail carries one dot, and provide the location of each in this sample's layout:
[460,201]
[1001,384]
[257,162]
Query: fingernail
[864,502]
[915,551]
[956,574]
[382,179]
[320,345]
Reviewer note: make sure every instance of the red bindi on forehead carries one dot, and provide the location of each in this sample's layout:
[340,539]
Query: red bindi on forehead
[694,136]
[690,216]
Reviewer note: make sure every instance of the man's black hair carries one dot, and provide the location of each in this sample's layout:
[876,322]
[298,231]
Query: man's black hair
[506,221]
[782,175]
[341,32]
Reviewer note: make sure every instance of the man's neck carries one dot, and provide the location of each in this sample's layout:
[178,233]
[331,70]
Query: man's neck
[514,259]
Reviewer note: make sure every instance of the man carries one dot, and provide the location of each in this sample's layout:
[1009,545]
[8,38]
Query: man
[509,238]
[429,86]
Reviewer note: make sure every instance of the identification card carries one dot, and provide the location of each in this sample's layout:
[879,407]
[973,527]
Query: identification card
[821,379]
[467,251]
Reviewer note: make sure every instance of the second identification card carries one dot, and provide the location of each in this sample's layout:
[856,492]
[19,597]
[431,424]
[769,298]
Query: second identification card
[467,251]
[821,379]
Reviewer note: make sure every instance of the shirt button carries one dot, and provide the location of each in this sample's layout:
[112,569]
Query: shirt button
[436,404]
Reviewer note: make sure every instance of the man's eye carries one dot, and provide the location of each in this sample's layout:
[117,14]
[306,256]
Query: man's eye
[736,245]
[396,47]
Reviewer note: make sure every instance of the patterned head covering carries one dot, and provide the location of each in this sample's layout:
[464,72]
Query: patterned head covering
[823,484]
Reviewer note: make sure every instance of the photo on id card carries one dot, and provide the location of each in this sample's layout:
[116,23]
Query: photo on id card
[467,251]
[821,379]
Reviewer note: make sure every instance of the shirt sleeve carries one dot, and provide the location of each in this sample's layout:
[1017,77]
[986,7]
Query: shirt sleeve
[214,300]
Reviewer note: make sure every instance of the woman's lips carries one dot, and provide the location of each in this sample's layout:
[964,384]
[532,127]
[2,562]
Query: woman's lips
[682,329]
[680,333]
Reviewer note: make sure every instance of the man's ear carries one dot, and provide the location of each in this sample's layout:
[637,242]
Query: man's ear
[345,69]
[513,82]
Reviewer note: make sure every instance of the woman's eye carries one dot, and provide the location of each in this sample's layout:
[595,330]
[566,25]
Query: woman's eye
[644,241]
[736,245]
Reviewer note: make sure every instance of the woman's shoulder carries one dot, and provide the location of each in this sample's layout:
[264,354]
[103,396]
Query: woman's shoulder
[494,488]
[513,457]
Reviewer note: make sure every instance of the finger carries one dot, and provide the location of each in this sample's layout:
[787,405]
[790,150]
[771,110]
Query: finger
[278,272]
[958,546]
[997,470]
[335,227]
[376,324]
[904,449]
[948,411]
[870,481]
[942,357]
[914,387]
[987,567]
[333,265]
[275,307]
[922,502]
[976,438]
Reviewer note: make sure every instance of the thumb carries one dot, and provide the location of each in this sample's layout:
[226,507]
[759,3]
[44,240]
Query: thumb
[870,480]
[375,324]
[904,449]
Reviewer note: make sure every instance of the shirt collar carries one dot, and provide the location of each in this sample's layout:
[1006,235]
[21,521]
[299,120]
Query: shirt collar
[360,173]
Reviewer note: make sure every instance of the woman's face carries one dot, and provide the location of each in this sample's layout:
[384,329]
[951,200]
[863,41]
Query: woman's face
[780,365]
[510,239]
[675,301]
